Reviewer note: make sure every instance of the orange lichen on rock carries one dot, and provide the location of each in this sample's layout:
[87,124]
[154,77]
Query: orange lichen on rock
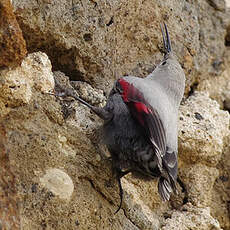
[12,43]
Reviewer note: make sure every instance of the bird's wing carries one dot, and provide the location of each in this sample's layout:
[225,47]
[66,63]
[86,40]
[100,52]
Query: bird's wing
[147,117]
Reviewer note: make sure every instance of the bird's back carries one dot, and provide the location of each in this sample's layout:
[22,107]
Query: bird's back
[157,97]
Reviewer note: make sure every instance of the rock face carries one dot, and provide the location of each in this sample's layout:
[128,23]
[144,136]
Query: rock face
[9,210]
[98,41]
[17,84]
[58,182]
[218,88]
[52,158]
[12,43]
[191,218]
[202,130]
[60,168]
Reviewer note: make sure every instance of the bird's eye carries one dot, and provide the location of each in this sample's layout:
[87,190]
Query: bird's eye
[163,63]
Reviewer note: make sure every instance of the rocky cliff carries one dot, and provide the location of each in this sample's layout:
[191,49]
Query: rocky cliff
[55,172]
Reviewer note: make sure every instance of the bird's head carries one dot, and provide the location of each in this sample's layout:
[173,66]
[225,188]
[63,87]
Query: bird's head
[169,72]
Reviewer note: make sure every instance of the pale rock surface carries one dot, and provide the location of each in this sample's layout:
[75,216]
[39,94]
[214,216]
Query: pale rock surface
[58,182]
[218,88]
[220,205]
[136,210]
[43,141]
[38,67]
[202,128]
[16,85]
[87,92]
[98,41]
[199,180]
[191,218]
[227,3]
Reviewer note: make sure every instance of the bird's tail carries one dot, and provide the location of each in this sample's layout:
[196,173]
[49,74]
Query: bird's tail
[164,188]
[167,181]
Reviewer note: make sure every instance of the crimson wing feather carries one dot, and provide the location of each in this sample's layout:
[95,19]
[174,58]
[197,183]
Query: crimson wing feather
[147,117]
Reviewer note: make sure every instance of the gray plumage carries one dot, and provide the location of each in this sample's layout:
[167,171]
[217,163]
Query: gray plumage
[140,128]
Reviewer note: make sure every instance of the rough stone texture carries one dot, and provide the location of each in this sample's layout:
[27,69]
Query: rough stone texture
[12,43]
[9,209]
[218,88]
[41,140]
[93,96]
[203,127]
[136,210]
[220,204]
[38,67]
[99,41]
[191,218]
[58,182]
[16,85]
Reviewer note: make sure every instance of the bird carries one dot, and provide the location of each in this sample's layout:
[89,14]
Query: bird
[141,122]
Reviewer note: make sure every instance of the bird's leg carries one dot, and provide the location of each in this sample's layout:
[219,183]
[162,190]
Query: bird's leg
[120,193]
[101,112]
[184,190]
[119,175]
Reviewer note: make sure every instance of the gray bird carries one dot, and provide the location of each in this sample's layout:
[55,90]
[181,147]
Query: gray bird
[140,122]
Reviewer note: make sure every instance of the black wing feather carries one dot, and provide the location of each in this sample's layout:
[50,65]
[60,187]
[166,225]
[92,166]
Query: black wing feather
[149,119]
[147,116]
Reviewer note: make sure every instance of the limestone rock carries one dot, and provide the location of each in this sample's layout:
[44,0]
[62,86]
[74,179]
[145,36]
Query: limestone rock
[136,210]
[95,42]
[202,129]
[218,88]
[16,85]
[38,67]
[87,92]
[98,41]
[219,204]
[199,180]
[74,112]
[12,43]
[9,209]
[58,182]
[191,218]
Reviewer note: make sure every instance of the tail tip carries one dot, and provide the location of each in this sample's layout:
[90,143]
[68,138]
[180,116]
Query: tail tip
[165,189]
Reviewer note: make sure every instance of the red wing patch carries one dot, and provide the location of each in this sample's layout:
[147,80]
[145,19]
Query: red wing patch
[137,109]
[147,117]
[130,93]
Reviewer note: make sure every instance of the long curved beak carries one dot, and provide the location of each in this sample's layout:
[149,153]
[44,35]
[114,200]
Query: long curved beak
[166,39]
